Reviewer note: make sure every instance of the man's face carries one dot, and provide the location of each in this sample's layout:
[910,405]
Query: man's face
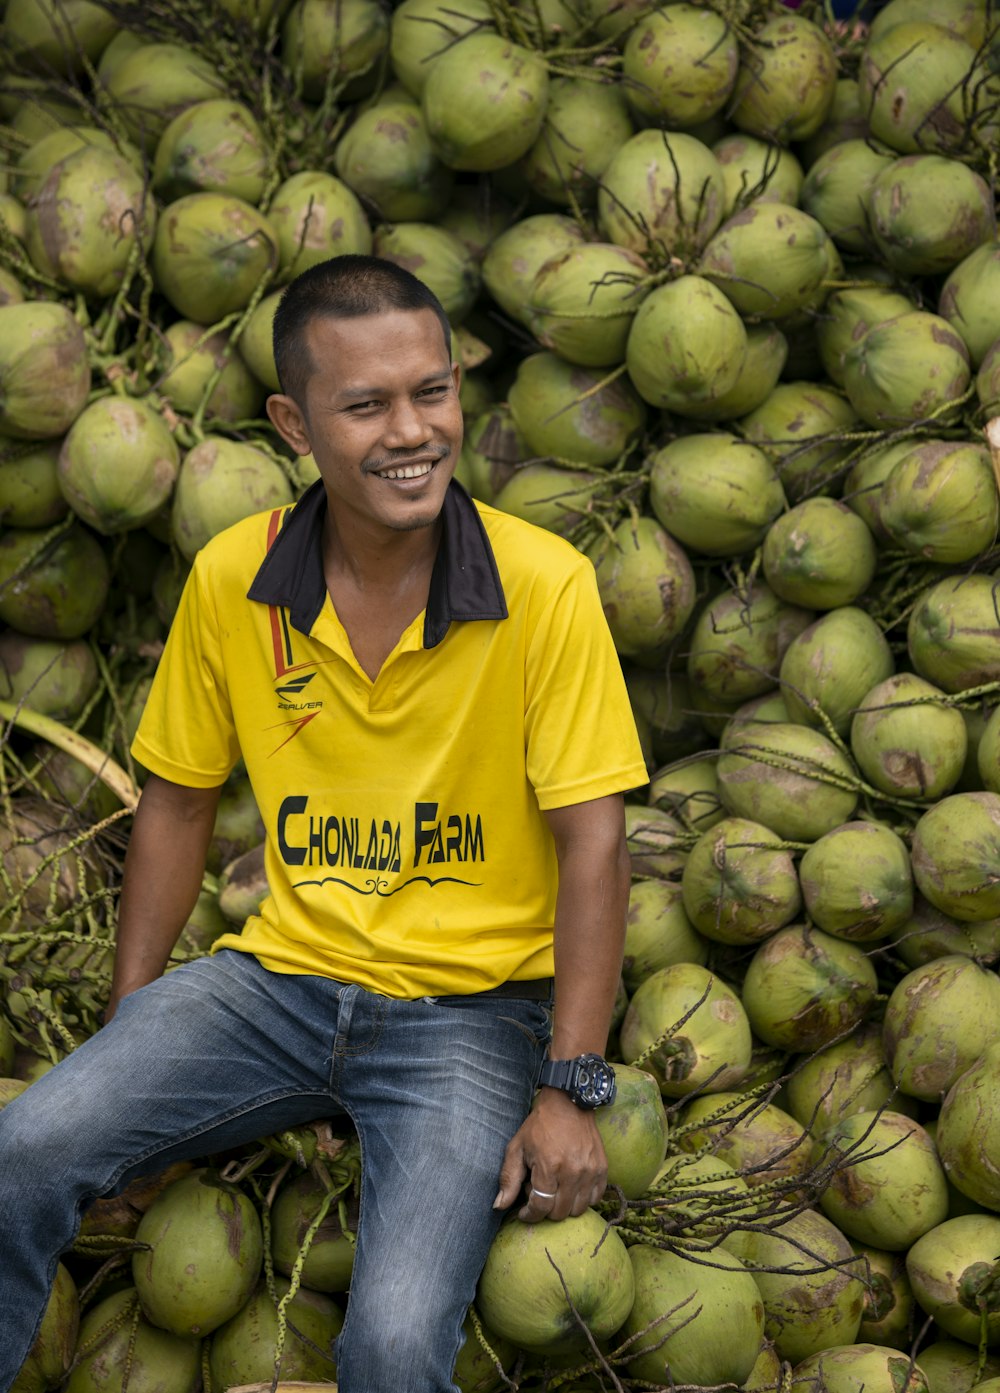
[381,417]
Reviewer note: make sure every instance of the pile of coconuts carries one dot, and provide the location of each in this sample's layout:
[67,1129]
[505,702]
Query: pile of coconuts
[725,284]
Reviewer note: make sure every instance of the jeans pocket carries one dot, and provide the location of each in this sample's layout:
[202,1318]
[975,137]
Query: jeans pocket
[532,1018]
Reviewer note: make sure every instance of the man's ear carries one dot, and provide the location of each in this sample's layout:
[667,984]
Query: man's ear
[288,420]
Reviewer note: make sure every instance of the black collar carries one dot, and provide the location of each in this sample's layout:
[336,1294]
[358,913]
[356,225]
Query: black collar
[465,583]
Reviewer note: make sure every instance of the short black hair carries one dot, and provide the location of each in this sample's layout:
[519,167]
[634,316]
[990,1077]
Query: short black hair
[345,287]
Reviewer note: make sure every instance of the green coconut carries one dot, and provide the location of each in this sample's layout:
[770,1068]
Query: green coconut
[156,82]
[680,1304]
[568,412]
[484,102]
[326,45]
[30,495]
[836,192]
[521,1293]
[35,107]
[56,678]
[518,254]
[853,1368]
[969,1125]
[680,65]
[939,1019]
[755,169]
[212,147]
[256,346]
[912,83]
[585,124]
[907,740]
[792,779]
[706,1201]
[766,355]
[819,554]
[964,17]
[386,157]
[907,369]
[656,841]
[687,344]
[52,586]
[330,1258]
[658,932]
[51,1354]
[969,300]
[204,1254]
[832,665]
[954,635]
[953,1271]
[583,300]
[812,1297]
[663,701]
[633,1129]
[715,493]
[422,30]
[661,189]
[770,259]
[928,213]
[44,371]
[929,934]
[843,1078]
[118,464]
[647,588]
[786,81]
[195,357]
[547,495]
[955,849]
[115,1330]
[435,257]
[889,1305]
[739,883]
[987,752]
[242,1351]
[220,482]
[953,1367]
[211,253]
[739,640]
[316,216]
[493,445]
[60,34]
[845,121]
[804,988]
[847,317]
[940,501]
[708,1044]
[86,245]
[689,790]
[11,290]
[483,1349]
[124,43]
[800,427]
[887,1187]
[759,1140]
[856,882]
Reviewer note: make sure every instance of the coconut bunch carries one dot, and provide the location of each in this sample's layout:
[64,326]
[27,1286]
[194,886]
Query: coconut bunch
[726,286]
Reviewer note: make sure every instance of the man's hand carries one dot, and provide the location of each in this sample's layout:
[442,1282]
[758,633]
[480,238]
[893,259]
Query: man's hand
[559,1152]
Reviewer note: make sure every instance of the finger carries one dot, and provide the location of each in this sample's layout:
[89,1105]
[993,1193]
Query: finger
[512,1175]
[542,1203]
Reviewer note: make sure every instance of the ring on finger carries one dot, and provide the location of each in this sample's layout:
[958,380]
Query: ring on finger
[543,1194]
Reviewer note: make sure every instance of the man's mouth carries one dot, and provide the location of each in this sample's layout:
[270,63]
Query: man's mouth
[407,471]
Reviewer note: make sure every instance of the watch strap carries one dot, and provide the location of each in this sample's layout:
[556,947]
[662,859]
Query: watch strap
[558,1073]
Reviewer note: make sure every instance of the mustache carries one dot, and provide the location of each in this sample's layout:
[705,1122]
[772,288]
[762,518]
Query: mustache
[399,459]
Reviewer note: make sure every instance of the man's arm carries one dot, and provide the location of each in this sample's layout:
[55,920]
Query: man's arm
[558,1148]
[164,866]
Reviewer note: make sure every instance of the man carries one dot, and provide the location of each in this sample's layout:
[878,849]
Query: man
[431,713]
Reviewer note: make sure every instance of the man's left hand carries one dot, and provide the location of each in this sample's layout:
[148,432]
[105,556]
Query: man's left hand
[559,1152]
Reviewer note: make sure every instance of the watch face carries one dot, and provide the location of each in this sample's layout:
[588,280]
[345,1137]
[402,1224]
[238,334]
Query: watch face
[595,1081]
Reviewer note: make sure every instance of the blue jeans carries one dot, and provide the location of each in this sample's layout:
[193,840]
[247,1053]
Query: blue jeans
[222,1051]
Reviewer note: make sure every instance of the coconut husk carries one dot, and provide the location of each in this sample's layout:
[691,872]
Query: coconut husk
[993,437]
[280,1387]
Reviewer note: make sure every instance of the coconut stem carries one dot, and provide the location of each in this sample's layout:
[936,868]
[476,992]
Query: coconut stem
[89,754]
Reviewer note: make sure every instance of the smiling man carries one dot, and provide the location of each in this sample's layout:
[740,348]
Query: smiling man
[431,712]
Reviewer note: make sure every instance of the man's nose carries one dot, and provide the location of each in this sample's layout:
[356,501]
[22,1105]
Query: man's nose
[405,427]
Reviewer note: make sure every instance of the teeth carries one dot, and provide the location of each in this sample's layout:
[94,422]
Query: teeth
[409,471]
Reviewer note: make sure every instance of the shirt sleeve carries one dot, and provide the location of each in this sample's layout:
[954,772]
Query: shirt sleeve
[581,740]
[186,733]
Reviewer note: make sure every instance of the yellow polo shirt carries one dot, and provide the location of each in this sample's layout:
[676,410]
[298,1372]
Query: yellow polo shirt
[406,844]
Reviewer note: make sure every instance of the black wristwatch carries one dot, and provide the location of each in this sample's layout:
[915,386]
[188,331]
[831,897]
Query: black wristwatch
[589,1080]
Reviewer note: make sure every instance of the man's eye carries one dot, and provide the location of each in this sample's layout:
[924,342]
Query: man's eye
[434,391]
